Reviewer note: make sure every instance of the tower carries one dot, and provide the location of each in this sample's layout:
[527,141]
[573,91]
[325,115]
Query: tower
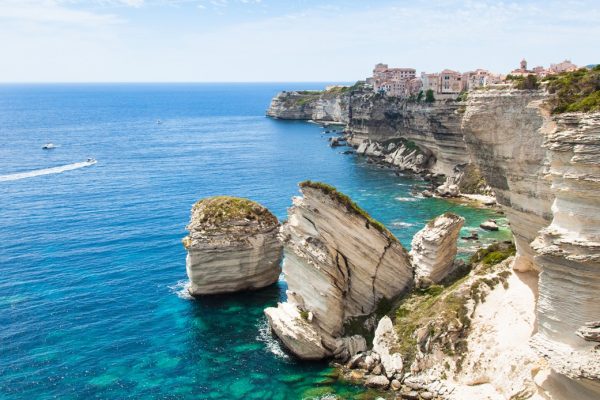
[523,64]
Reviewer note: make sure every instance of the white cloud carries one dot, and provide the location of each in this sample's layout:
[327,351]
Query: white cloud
[52,11]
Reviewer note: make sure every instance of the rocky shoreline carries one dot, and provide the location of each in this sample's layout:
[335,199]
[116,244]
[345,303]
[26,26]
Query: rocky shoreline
[542,171]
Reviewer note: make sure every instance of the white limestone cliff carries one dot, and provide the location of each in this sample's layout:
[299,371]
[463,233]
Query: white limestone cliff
[434,248]
[339,265]
[504,133]
[568,252]
[232,245]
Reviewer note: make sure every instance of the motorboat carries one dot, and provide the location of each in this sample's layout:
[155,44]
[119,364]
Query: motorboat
[91,160]
[158,122]
[48,146]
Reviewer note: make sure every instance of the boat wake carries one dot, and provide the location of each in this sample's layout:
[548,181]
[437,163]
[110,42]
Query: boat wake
[46,171]
[265,336]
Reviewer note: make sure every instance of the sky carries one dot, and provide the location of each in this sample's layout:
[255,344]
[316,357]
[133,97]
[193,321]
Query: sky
[280,40]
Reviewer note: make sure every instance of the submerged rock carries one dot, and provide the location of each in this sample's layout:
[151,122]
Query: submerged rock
[232,245]
[434,247]
[340,265]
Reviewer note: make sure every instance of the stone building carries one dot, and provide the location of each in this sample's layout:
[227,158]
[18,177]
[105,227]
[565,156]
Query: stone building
[392,81]
[451,82]
[480,78]
[565,66]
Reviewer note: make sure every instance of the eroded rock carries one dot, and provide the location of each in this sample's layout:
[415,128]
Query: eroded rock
[339,265]
[385,343]
[232,245]
[434,247]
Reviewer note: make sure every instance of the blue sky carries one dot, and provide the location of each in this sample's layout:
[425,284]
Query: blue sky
[276,40]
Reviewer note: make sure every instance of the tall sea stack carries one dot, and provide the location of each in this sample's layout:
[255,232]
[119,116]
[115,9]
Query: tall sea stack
[232,246]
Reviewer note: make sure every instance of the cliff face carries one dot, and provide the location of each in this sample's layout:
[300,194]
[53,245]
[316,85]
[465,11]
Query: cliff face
[232,246]
[545,171]
[568,250]
[310,105]
[339,265]
[504,131]
[433,127]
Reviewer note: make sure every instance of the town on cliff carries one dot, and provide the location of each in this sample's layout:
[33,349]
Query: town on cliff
[518,320]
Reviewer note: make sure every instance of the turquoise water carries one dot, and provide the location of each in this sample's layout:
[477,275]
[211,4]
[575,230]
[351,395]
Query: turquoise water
[91,264]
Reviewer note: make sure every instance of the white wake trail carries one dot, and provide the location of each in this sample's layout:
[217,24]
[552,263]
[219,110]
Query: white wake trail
[46,171]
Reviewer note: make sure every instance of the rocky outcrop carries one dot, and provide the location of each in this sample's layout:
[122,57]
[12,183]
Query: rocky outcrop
[568,250]
[326,106]
[340,266]
[504,134]
[232,245]
[401,153]
[434,248]
[384,344]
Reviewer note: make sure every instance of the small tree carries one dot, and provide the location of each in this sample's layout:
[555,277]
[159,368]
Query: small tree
[529,83]
[420,96]
[429,96]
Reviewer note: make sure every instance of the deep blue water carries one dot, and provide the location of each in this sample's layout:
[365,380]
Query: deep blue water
[91,263]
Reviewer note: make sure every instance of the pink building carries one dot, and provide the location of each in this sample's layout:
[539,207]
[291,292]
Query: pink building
[430,82]
[480,78]
[392,81]
[451,82]
[565,66]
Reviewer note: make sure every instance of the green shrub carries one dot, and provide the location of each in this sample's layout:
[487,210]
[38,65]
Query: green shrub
[429,96]
[577,91]
[530,82]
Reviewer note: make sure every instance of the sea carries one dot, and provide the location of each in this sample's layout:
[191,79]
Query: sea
[93,300]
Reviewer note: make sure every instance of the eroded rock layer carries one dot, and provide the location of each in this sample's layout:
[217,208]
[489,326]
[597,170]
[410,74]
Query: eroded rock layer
[568,250]
[434,248]
[232,245]
[339,265]
[505,131]
[435,128]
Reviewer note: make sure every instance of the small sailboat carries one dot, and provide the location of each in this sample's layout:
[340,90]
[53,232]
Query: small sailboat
[158,122]
[48,146]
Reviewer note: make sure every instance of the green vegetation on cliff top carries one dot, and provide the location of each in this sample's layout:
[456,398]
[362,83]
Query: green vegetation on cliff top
[575,91]
[219,209]
[334,194]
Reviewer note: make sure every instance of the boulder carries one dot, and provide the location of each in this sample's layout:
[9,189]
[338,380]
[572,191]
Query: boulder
[347,347]
[448,189]
[590,331]
[232,246]
[377,382]
[434,247]
[384,342]
[297,334]
[489,225]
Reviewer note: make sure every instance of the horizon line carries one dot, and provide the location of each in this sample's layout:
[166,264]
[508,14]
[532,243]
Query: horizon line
[158,82]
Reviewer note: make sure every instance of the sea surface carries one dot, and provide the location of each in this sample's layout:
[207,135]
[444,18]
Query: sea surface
[92,269]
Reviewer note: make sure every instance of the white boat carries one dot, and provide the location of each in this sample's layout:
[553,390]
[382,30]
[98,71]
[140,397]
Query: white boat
[158,121]
[48,146]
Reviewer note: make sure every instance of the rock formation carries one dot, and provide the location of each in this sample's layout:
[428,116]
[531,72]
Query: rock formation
[434,248]
[503,130]
[384,344]
[232,245]
[544,172]
[315,105]
[340,266]
[434,128]
[568,251]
